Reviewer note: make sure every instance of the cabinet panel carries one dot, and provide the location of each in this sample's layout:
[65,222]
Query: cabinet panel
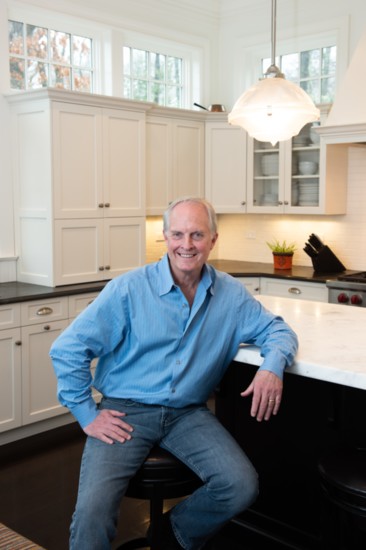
[39,383]
[9,316]
[77,158]
[159,169]
[294,289]
[123,245]
[188,165]
[225,176]
[251,283]
[79,302]
[10,379]
[45,310]
[123,163]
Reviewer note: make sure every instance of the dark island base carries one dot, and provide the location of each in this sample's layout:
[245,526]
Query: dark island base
[315,417]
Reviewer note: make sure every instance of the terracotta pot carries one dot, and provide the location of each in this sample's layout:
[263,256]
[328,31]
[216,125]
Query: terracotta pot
[282,261]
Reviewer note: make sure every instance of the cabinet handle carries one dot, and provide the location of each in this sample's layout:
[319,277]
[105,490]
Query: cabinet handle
[101,268]
[294,290]
[286,202]
[101,205]
[18,342]
[107,204]
[243,203]
[46,327]
[44,311]
[107,267]
[280,203]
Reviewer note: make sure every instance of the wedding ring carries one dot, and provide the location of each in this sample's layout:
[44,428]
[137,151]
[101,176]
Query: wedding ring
[271,400]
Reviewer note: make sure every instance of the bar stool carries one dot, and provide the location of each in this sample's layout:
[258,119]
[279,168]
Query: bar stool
[343,483]
[162,476]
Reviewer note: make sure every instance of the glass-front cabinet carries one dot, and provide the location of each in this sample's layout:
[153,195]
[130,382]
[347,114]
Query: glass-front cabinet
[285,177]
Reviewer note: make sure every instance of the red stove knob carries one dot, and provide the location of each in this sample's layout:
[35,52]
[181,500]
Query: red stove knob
[356,299]
[343,298]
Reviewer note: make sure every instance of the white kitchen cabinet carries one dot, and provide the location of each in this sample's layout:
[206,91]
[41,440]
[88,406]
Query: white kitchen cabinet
[10,367]
[300,290]
[251,283]
[42,322]
[77,157]
[225,175]
[109,248]
[175,157]
[277,182]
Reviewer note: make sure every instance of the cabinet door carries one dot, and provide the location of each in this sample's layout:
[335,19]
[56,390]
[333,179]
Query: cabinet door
[124,245]
[188,158]
[251,283]
[123,163]
[294,289]
[39,384]
[10,379]
[159,168]
[225,176]
[77,161]
[78,251]
[266,176]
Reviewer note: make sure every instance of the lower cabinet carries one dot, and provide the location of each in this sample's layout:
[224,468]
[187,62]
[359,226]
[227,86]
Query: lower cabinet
[27,379]
[301,290]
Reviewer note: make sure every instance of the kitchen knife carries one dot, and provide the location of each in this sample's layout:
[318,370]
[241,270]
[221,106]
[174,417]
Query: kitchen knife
[310,250]
[315,241]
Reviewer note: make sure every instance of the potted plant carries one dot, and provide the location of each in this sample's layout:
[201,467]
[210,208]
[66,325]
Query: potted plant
[282,254]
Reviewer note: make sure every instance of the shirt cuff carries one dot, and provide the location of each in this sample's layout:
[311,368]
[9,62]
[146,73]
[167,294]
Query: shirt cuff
[86,412]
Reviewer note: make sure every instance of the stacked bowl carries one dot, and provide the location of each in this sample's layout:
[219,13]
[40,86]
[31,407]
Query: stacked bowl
[269,164]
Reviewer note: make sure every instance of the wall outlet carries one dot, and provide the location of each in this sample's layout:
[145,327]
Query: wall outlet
[251,235]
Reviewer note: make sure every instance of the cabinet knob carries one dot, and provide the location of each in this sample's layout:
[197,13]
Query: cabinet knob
[101,205]
[46,327]
[101,268]
[107,267]
[243,203]
[44,311]
[280,203]
[286,202]
[107,204]
[18,342]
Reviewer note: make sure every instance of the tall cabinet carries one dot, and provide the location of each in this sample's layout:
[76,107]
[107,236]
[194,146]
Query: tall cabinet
[79,166]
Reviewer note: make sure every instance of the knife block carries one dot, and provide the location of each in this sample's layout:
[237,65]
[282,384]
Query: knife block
[327,262]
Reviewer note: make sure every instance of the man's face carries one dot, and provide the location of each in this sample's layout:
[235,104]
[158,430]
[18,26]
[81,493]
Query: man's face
[189,239]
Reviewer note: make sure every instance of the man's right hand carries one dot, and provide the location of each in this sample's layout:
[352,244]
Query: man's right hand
[109,427]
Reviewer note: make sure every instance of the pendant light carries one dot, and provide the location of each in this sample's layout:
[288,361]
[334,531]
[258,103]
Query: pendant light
[274,109]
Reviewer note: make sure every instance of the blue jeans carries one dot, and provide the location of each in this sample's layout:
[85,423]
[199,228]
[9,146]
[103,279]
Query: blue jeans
[196,437]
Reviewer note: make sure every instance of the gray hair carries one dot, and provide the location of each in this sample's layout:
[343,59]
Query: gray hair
[212,220]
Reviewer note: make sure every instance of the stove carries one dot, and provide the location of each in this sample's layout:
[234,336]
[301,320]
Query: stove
[349,290]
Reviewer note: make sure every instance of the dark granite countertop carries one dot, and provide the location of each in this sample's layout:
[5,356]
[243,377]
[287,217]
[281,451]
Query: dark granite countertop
[21,292]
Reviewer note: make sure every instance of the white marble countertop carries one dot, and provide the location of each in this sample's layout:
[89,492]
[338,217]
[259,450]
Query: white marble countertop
[332,340]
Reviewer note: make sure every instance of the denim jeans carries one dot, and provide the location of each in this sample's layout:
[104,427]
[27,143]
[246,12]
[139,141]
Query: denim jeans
[198,439]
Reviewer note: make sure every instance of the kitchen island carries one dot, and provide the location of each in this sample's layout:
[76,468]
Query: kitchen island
[323,408]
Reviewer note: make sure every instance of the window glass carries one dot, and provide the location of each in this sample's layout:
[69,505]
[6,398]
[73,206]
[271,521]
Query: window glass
[313,70]
[152,76]
[41,57]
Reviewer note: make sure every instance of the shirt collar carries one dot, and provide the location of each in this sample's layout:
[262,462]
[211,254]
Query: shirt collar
[166,281]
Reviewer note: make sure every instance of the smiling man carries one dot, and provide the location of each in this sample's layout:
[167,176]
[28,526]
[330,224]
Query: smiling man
[164,335]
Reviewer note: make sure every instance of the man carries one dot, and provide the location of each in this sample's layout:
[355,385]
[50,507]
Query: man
[164,335]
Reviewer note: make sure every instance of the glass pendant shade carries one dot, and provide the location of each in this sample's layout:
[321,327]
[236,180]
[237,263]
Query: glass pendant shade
[273,110]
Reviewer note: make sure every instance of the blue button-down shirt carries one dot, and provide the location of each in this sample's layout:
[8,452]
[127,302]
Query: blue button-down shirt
[153,348]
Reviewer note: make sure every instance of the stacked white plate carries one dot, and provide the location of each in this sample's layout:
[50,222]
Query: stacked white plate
[269,164]
[269,199]
[300,141]
[308,193]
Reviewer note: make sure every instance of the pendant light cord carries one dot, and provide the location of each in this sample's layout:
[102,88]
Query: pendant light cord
[273,53]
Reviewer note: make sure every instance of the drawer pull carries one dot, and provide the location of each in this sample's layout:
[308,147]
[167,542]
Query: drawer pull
[18,342]
[294,290]
[44,311]
[46,327]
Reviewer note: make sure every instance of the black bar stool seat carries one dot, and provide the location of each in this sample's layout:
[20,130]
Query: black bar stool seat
[162,476]
[343,482]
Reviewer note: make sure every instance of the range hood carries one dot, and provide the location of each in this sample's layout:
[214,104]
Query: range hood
[346,122]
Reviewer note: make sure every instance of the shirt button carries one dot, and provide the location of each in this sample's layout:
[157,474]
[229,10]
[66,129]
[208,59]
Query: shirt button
[173,390]
[177,362]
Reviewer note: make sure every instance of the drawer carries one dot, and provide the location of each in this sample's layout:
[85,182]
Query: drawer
[44,310]
[299,290]
[9,316]
[79,302]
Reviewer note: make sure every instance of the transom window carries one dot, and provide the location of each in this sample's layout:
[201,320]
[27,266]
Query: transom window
[155,77]
[313,70]
[40,57]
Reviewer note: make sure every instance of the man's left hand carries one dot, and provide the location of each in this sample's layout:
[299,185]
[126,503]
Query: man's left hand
[266,389]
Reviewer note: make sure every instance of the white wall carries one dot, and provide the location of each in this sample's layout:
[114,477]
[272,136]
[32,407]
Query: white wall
[228,32]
